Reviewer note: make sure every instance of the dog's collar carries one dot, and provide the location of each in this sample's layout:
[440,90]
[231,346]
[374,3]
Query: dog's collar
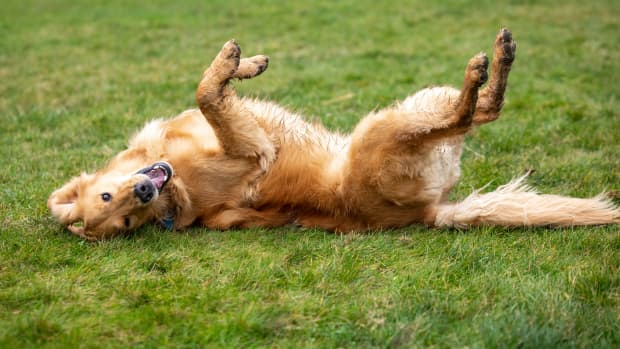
[168,220]
[168,223]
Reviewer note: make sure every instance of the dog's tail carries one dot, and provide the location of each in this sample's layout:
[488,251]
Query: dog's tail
[517,204]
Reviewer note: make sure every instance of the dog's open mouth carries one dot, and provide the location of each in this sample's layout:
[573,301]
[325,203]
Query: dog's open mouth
[159,173]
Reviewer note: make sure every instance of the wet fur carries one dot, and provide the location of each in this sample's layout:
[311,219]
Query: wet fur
[241,162]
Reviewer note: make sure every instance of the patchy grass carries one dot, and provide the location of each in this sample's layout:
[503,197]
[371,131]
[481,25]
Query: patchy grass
[78,79]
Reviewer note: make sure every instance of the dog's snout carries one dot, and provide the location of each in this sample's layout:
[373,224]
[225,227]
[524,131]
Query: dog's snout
[144,190]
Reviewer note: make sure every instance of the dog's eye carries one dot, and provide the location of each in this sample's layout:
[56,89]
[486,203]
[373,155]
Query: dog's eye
[106,197]
[127,222]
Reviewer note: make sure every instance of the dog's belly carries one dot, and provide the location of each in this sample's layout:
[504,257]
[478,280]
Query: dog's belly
[440,166]
[440,169]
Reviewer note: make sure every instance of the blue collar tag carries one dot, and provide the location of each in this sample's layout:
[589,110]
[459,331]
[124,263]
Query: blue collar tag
[168,223]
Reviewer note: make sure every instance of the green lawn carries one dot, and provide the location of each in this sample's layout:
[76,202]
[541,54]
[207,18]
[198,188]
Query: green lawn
[77,78]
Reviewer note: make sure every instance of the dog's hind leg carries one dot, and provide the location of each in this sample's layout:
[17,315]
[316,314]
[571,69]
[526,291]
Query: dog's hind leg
[394,163]
[235,127]
[491,98]
[447,119]
[430,114]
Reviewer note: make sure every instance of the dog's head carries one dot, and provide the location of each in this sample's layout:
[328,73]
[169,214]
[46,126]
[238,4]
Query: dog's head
[108,203]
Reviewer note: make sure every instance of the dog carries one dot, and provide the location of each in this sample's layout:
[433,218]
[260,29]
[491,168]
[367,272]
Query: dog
[238,162]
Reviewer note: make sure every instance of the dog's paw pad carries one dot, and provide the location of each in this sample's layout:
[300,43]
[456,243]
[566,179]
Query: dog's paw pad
[505,46]
[231,50]
[251,67]
[259,63]
[477,69]
[227,61]
[262,63]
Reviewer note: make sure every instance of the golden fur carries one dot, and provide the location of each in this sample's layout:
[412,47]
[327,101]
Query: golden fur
[239,162]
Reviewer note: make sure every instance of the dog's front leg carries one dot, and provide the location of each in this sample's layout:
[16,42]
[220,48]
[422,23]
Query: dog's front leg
[245,217]
[236,128]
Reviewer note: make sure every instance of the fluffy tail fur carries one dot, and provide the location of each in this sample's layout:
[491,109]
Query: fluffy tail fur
[517,204]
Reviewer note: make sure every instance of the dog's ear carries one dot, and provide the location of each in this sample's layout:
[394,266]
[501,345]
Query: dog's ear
[180,194]
[81,232]
[181,200]
[62,202]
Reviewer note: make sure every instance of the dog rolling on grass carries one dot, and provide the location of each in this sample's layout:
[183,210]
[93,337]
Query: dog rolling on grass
[239,162]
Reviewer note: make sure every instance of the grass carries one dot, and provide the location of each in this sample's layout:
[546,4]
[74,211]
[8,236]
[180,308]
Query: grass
[79,78]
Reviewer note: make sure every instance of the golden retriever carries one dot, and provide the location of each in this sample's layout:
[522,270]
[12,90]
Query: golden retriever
[240,162]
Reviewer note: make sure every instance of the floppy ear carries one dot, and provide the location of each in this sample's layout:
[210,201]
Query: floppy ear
[62,202]
[182,202]
[81,232]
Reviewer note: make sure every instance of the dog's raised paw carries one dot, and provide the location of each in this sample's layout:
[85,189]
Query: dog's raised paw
[227,61]
[231,50]
[262,63]
[251,67]
[477,69]
[505,46]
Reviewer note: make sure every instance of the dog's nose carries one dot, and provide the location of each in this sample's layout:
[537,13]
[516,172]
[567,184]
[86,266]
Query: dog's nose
[144,190]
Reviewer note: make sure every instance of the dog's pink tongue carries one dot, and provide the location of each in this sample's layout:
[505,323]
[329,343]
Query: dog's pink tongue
[158,177]
[158,181]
